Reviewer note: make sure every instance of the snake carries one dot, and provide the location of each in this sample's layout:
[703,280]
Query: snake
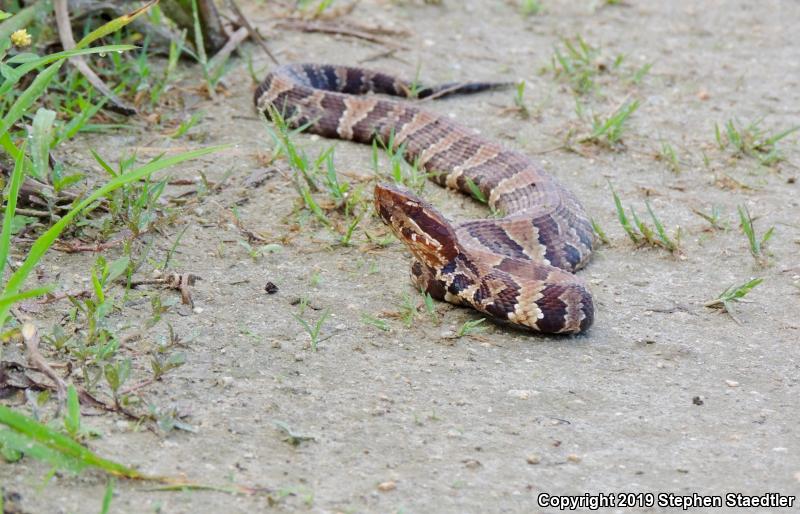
[516,267]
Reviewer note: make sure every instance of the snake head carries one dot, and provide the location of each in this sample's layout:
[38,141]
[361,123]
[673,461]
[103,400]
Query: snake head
[426,232]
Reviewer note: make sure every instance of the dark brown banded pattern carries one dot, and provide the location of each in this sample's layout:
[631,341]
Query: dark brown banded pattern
[517,269]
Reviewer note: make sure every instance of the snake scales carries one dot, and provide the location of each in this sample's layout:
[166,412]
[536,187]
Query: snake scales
[518,268]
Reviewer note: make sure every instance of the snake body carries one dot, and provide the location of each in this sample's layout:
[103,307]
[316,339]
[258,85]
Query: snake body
[518,268]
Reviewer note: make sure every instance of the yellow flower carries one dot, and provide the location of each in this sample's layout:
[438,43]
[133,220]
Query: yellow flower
[21,38]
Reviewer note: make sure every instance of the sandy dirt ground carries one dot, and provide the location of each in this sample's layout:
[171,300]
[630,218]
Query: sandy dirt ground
[661,395]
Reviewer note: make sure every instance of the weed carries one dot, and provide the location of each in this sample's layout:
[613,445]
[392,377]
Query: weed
[639,74]
[600,232]
[750,140]
[713,217]
[733,294]
[530,7]
[375,322]
[519,100]
[184,126]
[668,155]
[400,170]
[608,131]
[408,310]
[757,245]
[292,437]
[641,233]
[577,63]
[430,306]
[313,331]
[471,327]
[30,437]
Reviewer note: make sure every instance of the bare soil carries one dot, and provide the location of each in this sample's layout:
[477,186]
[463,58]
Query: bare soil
[662,394]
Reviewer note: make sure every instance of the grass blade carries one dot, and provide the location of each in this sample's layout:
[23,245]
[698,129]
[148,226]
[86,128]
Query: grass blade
[11,207]
[30,436]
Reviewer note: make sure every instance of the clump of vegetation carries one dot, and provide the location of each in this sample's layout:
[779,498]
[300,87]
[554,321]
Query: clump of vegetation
[607,131]
[577,63]
[643,234]
[757,244]
[128,201]
[530,7]
[733,294]
[751,140]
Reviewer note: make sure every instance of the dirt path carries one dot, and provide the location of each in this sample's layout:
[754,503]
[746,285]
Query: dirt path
[663,394]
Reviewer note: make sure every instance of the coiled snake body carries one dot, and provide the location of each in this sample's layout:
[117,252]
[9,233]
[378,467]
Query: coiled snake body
[518,268]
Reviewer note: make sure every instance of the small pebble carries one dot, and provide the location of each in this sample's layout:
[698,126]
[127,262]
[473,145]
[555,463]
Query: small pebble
[732,383]
[472,464]
[573,458]
[522,394]
[533,459]
[387,486]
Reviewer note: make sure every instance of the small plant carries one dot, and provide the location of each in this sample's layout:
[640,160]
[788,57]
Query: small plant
[530,7]
[713,217]
[291,436]
[471,327]
[733,294]
[375,322]
[408,310]
[401,171]
[750,140]
[476,192]
[608,131]
[577,63]
[600,232]
[639,74]
[186,125]
[757,245]
[519,100]
[668,155]
[641,233]
[313,331]
[430,306]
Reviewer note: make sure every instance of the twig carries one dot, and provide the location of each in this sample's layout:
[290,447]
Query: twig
[31,337]
[68,42]
[253,32]
[329,28]
[231,45]
[179,281]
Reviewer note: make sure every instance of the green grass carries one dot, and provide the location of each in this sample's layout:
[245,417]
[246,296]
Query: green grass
[32,438]
[471,327]
[519,100]
[378,323]
[324,194]
[530,7]
[608,131]
[733,294]
[751,140]
[576,63]
[757,244]
[667,155]
[714,217]
[643,234]
[313,328]
[601,234]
